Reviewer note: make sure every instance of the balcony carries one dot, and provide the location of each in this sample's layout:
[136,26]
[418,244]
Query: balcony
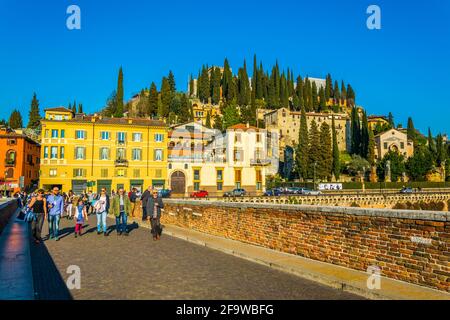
[121,163]
[260,162]
[10,163]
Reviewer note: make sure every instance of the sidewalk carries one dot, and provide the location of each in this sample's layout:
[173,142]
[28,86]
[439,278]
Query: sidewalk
[342,278]
[16,278]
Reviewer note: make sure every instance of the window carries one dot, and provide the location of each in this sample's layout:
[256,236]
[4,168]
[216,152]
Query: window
[45,152]
[104,135]
[79,173]
[385,145]
[63,133]
[46,133]
[104,153]
[80,153]
[237,137]
[219,178]
[121,173]
[136,154]
[159,137]
[54,133]
[104,173]
[158,173]
[402,145]
[80,134]
[137,137]
[238,154]
[61,152]
[121,137]
[54,153]
[121,154]
[237,178]
[158,155]
[258,137]
[53,172]
[258,180]
[136,173]
[196,179]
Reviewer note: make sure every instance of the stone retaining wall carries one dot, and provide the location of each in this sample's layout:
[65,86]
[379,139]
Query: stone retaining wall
[412,246]
[6,211]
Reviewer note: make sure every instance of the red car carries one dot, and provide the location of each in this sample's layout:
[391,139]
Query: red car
[199,194]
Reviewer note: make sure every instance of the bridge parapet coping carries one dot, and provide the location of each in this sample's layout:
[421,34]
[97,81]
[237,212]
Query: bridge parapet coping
[374,212]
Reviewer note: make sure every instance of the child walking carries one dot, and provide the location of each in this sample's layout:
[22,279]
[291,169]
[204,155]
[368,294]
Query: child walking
[80,216]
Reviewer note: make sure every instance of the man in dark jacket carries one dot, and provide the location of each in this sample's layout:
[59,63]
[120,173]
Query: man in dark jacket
[154,206]
[144,198]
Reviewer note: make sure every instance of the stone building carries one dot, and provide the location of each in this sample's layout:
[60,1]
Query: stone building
[393,140]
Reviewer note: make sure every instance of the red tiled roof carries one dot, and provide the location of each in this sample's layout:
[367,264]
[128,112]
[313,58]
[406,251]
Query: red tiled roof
[241,126]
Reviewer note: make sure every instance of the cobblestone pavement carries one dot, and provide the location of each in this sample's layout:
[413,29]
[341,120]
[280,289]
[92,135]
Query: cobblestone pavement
[136,267]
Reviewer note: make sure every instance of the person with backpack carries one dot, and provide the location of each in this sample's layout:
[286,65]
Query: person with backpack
[80,216]
[101,208]
[38,205]
[55,203]
[120,208]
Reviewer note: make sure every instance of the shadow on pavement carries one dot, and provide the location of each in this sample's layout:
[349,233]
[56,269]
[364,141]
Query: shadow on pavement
[48,282]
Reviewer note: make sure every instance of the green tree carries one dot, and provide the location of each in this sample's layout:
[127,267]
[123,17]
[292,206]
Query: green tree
[364,137]
[111,105]
[325,162]
[358,165]
[80,108]
[166,97]
[336,153]
[419,164]
[215,86]
[441,150]
[230,116]
[34,116]
[355,133]
[314,148]
[15,120]
[218,122]
[397,161]
[323,99]
[171,80]
[371,148]
[208,120]
[119,97]
[152,100]
[391,120]
[411,131]
[302,147]
[431,144]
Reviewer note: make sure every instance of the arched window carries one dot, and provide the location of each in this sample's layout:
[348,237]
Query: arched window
[9,173]
[11,157]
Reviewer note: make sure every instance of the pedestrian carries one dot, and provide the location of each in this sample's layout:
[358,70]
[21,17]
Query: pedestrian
[101,208]
[120,207]
[80,216]
[39,206]
[144,198]
[154,206]
[55,204]
[69,204]
[133,199]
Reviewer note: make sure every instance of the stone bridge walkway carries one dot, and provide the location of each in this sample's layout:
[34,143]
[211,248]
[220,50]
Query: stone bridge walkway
[136,267]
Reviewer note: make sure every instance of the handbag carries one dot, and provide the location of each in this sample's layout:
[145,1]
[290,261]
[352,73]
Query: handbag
[29,215]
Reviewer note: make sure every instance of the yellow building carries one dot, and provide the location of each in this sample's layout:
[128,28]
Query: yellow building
[81,152]
[374,121]
[200,111]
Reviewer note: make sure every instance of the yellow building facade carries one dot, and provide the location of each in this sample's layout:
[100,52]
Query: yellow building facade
[81,152]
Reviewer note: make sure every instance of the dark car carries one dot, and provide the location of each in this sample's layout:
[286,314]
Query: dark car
[275,192]
[407,190]
[199,194]
[164,193]
[235,193]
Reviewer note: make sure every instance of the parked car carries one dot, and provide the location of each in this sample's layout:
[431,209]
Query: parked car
[165,193]
[275,192]
[407,190]
[293,190]
[310,192]
[199,194]
[235,193]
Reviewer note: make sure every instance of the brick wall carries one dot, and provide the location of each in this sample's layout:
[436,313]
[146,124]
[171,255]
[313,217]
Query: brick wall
[412,246]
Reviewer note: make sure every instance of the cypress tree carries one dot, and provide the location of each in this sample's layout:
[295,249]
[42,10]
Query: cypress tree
[299,92]
[355,132]
[208,120]
[391,120]
[323,99]
[80,108]
[215,94]
[171,79]
[284,95]
[336,92]
[431,144]
[364,137]
[371,148]
[119,96]
[34,116]
[314,96]
[244,94]
[166,97]
[302,147]
[152,100]
[226,79]
[411,131]
[74,107]
[328,87]
[314,148]
[336,153]
[15,120]
[343,91]
[325,163]
[191,86]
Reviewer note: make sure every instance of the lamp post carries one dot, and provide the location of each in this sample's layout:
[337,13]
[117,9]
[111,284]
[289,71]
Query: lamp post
[363,180]
[314,177]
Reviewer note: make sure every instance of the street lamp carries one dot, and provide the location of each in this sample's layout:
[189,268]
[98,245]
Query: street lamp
[314,177]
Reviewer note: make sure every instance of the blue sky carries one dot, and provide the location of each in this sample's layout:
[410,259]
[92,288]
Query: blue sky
[403,68]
